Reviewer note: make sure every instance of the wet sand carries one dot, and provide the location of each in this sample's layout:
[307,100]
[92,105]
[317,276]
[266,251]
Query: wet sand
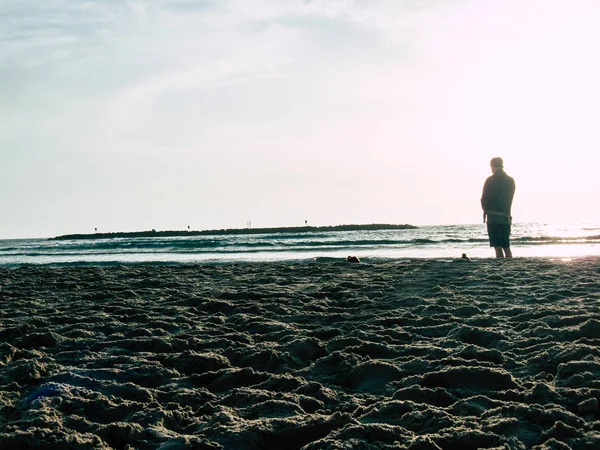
[419,354]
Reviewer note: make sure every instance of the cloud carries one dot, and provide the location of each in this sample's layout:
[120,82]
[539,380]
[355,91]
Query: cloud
[111,66]
[237,57]
[34,33]
[121,58]
[108,65]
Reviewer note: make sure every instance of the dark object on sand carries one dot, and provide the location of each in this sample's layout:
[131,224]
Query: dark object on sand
[465,257]
[353,259]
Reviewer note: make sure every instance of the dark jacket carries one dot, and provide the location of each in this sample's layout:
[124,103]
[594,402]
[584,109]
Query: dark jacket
[498,193]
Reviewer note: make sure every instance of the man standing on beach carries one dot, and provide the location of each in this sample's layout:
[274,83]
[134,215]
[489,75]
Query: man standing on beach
[496,201]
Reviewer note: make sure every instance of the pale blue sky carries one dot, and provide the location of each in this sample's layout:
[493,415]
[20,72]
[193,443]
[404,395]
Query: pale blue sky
[163,114]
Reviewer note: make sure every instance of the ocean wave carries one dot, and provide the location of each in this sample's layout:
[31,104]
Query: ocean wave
[428,241]
[149,246]
[558,239]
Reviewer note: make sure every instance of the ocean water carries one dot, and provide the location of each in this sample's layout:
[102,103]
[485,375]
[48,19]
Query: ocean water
[439,242]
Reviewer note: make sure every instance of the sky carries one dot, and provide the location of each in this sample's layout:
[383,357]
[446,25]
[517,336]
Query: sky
[164,114]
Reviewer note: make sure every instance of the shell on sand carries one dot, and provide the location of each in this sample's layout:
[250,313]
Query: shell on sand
[401,354]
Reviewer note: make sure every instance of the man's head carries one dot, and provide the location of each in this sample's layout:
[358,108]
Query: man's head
[496,164]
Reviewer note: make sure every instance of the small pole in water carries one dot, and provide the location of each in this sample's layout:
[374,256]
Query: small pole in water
[96,230]
[188,228]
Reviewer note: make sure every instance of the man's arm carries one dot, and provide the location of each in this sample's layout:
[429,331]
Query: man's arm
[484,198]
[512,192]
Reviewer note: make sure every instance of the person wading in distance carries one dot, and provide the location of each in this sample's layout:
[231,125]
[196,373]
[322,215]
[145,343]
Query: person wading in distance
[496,201]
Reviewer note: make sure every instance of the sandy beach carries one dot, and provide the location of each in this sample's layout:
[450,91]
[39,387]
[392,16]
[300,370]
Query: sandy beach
[407,354]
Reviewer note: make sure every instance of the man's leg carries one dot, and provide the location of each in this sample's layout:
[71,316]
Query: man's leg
[507,252]
[499,253]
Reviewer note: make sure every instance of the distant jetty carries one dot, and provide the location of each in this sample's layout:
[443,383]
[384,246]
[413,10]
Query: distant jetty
[228,231]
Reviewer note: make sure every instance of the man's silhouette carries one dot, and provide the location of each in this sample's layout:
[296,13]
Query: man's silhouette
[496,201]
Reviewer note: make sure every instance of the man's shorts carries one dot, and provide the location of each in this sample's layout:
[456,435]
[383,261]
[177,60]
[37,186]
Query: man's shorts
[499,234]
